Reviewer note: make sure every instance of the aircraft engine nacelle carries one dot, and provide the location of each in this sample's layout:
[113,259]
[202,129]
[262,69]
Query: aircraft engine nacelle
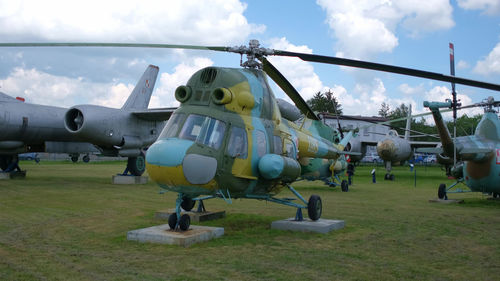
[288,111]
[96,124]
[274,166]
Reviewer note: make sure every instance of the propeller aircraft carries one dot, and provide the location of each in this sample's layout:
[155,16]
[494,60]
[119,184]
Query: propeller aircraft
[230,138]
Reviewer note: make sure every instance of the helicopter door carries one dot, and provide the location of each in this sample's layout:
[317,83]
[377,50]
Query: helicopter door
[236,156]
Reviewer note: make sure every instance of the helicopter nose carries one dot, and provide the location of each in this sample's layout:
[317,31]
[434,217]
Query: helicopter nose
[168,162]
[386,149]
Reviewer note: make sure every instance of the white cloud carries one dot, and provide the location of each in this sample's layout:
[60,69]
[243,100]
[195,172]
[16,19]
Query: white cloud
[200,21]
[367,28]
[488,6]
[441,93]
[462,65]
[43,88]
[408,90]
[168,82]
[491,64]
[300,73]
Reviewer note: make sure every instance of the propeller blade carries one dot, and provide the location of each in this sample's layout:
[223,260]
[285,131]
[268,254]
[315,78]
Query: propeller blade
[288,89]
[121,45]
[389,68]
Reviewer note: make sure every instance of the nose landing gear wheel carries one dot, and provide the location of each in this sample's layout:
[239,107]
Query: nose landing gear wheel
[184,222]
[442,192]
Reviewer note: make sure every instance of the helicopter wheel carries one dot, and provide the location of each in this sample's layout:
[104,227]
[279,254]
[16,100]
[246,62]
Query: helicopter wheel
[391,177]
[386,177]
[187,203]
[442,191]
[137,165]
[172,220]
[344,186]
[314,207]
[184,222]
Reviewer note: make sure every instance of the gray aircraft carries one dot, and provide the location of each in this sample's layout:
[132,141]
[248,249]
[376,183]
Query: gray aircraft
[85,128]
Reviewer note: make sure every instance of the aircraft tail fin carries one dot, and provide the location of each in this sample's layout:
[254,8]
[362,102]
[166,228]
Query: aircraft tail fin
[140,96]
[408,125]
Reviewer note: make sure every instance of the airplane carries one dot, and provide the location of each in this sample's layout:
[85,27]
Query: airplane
[228,138]
[87,128]
[391,147]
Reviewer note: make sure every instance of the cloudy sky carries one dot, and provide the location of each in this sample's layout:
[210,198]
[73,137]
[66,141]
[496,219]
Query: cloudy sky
[406,33]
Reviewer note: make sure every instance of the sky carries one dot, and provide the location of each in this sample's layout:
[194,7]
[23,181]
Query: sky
[407,33]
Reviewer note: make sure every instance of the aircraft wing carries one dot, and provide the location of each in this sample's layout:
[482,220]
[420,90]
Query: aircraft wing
[433,150]
[155,114]
[474,150]
[424,144]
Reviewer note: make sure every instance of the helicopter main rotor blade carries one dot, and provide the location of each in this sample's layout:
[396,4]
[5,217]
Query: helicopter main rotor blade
[122,45]
[288,89]
[389,68]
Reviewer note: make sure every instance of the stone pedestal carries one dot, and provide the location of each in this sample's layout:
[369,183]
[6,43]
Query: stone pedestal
[13,175]
[307,225]
[120,179]
[162,234]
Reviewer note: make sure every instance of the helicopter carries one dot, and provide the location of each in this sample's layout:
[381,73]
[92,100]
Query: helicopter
[476,157]
[229,138]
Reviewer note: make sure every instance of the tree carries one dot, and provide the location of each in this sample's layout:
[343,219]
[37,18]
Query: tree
[384,110]
[325,102]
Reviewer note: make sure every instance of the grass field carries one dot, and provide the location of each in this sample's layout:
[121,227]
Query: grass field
[67,221]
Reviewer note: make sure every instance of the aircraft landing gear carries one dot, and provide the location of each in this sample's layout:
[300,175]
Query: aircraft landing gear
[442,192]
[136,165]
[314,207]
[175,220]
[344,186]
[496,195]
[9,163]
[74,157]
[389,177]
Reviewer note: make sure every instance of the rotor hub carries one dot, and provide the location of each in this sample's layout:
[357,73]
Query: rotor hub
[253,52]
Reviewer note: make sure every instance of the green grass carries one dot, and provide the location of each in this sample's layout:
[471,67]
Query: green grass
[67,221]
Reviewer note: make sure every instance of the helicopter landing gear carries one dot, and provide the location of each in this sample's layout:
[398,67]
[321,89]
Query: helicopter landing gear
[389,177]
[314,207]
[187,203]
[175,220]
[442,192]
[74,157]
[344,186]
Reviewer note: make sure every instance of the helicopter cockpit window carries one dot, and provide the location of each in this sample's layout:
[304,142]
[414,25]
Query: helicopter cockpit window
[212,133]
[192,127]
[393,133]
[173,125]
[237,145]
[204,130]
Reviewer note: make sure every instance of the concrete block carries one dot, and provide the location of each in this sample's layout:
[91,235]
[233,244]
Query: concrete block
[12,175]
[120,179]
[195,216]
[162,234]
[448,201]
[307,225]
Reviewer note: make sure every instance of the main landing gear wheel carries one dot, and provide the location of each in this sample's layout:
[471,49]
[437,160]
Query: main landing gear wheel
[137,165]
[187,203]
[172,220]
[5,162]
[74,159]
[442,191]
[496,195]
[314,207]
[344,186]
[86,158]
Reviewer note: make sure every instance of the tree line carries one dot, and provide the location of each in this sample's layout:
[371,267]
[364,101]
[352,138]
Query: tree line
[327,102]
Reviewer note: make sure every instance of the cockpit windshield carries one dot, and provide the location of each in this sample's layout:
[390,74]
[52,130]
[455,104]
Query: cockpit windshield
[393,133]
[201,129]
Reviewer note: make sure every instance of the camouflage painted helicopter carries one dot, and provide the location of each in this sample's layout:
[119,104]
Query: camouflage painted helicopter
[477,157]
[231,139]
